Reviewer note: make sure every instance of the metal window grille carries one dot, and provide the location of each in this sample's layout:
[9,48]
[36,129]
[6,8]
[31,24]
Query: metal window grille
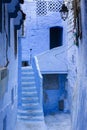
[54,6]
[41,8]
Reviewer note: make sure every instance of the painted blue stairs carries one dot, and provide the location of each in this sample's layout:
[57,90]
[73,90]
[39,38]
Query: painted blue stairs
[30,109]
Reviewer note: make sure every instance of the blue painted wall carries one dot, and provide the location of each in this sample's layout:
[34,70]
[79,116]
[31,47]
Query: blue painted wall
[19,69]
[8,102]
[37,30]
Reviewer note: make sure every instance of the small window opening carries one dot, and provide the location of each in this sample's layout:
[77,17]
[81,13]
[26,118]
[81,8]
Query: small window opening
[25,63]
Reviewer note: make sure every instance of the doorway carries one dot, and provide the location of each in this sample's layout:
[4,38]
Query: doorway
[54,92]
[56,36]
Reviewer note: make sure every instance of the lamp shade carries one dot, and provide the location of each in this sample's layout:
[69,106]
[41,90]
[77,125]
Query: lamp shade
[64,12]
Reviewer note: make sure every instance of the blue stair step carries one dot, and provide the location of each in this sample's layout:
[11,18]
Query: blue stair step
[31,114]
[30,119]
[29,101]
[29,109]
[27,75]
[39,110]
[28,90]
[28,80]
[28,85]
[27,70]
[27,95]
[29,98]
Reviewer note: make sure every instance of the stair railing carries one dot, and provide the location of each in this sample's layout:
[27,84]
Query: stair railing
[38,79]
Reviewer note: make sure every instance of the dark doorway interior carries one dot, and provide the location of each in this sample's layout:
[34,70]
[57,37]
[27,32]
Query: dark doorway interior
[61,105]
[56,36]
[25,63]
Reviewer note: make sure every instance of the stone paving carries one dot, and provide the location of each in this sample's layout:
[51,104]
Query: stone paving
[52,122]
[58,122]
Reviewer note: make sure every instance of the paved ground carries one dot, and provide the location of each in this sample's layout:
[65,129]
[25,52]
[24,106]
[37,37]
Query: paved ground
[53,122]
[58,122]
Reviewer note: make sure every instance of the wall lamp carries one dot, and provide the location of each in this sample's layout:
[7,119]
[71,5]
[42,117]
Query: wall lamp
[64,12]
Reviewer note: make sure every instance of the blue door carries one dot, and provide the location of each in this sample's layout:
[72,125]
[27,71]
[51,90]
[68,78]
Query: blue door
[53,93]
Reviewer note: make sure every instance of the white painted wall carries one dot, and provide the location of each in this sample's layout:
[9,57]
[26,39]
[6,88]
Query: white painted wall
[80,105]
[77,77]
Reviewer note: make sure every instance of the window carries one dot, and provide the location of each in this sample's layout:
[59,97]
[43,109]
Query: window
[56,35]
[54,6]
[41,8]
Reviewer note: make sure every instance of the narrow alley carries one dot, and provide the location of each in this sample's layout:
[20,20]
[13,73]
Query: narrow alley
[52,122]
[43,68]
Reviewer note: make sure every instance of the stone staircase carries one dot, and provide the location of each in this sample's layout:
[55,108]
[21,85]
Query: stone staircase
[30,109]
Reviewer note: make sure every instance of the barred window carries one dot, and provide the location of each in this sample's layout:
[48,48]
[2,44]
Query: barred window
[41,8]
[54,6]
